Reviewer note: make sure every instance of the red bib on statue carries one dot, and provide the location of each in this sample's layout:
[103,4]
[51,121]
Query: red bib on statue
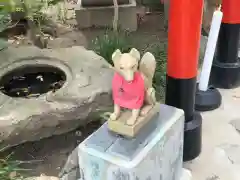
[128,94]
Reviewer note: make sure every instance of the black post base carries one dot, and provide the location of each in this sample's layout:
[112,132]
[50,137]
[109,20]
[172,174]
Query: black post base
[180,93]
[207,100]
[192,138]
[225,75]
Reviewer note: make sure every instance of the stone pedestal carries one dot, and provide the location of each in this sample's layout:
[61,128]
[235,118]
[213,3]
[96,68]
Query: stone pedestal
[103,16]
[156,153]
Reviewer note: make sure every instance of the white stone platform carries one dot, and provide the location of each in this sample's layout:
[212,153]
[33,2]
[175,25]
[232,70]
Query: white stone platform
[103,16]
[155,154]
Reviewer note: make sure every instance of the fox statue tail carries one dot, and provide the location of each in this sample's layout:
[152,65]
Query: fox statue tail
[147,66]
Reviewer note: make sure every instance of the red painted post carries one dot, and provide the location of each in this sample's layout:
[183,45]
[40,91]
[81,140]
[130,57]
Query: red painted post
[185,19]
[231,11]
[226,66]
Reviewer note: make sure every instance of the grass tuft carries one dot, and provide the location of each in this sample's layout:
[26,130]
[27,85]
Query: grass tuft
[106,44]
[10,169]
[159,80]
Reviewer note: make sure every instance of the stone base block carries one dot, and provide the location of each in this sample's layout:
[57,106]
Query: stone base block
[120,126]
[103,16]
[156,152]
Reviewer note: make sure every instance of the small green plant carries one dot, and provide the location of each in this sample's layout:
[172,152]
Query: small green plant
[4,23]
[9,169]
[32,11]
[62,12]
[106,44]
[4,20]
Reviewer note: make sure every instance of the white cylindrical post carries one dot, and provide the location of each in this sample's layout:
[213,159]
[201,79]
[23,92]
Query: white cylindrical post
[210,50]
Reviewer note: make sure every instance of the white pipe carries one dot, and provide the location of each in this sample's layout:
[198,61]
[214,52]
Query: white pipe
[210,50]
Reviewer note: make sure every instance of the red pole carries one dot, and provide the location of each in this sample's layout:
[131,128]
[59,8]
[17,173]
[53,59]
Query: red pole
[226,66]
[231,9]
[184,34]
[184,38]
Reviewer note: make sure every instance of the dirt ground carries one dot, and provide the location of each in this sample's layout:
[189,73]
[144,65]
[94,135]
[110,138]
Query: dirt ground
[51,153]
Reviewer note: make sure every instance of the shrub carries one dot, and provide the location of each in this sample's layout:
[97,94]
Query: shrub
[4,23]
[159,80]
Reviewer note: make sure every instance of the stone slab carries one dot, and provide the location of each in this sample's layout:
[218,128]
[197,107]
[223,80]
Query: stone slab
[102,139]
[103,16]
[150,156]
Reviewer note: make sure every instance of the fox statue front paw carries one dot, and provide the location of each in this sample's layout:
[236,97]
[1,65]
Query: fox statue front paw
[131,121]
[114,116]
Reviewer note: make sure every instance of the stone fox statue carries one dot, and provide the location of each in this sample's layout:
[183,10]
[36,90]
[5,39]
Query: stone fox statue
[132,84]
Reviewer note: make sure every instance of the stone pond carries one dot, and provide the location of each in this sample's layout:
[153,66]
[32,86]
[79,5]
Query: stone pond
[60,89]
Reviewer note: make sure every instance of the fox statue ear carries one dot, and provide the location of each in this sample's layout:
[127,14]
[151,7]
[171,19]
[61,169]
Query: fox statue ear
[135,53]
[116,56]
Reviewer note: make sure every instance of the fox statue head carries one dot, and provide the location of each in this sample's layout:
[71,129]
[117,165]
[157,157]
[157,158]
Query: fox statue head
[126,64]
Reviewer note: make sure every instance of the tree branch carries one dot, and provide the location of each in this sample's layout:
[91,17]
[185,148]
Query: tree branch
[116,14]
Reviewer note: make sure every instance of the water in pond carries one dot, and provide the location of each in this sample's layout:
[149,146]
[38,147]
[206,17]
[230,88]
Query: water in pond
[32,81]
